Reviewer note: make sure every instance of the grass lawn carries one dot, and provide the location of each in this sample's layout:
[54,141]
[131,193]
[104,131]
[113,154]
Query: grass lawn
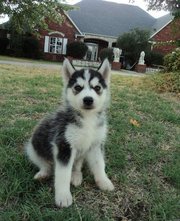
[142,152]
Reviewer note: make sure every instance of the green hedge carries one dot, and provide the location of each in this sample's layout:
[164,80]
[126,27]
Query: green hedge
[106,53]
[77,49]
[153,58]
[30,47]
[172,61]
[3,45]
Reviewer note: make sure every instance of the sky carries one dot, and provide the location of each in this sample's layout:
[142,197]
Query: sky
[141,3]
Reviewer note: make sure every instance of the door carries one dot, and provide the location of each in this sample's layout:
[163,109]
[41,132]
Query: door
[92,52]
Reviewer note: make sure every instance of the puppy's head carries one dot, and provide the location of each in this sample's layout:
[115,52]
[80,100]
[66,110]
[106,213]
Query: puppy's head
[86,89]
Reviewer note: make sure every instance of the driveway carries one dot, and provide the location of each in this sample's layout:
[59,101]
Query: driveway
[58,66]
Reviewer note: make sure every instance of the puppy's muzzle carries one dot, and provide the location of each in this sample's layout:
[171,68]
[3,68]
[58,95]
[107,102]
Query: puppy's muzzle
[88,103]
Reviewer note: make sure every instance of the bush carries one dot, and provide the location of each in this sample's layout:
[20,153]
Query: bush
[3,45]
[77,49]
[164,82]
[107,53]
[172,61]
[16,42]
[153,58]
[30,47]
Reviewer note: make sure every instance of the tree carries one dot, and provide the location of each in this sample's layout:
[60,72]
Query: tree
[106,53]
[169,5]
[31,15]
[77,49]
[132,43]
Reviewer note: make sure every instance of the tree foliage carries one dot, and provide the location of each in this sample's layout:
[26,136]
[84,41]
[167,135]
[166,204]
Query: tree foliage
[163,4]
[77,49]
[106,53]
[172,61]
[132,43]
[30,15]
[168,5]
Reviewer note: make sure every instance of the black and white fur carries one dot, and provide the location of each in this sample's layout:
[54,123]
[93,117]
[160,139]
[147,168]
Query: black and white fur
[76,132]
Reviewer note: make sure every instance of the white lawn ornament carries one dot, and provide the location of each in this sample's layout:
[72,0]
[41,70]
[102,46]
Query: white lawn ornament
[117,53]
[141,58]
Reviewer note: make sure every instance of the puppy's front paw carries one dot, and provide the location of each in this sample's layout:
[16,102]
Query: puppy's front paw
[105,184]
[63,199]
[76,178]
[41,175]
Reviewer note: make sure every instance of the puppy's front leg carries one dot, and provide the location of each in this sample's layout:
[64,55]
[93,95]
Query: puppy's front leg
[96,163]
[63,171]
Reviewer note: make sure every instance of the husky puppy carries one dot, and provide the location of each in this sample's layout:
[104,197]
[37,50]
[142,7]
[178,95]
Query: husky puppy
[74,133]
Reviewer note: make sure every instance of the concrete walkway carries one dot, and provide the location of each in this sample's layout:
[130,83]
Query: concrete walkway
[32,64]
[58,67]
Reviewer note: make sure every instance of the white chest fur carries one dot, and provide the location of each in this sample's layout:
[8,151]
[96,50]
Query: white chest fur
[92,132]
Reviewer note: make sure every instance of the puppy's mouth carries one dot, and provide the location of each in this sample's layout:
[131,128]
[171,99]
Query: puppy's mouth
[88,107]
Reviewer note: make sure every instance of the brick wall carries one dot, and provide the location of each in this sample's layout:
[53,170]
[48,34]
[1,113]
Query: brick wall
[66,27]
[171,32]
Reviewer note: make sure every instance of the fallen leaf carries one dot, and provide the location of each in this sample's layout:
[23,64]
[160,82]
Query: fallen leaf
[134,122]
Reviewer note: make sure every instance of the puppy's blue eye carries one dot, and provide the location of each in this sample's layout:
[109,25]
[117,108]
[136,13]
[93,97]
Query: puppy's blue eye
[78,88]
[97,88]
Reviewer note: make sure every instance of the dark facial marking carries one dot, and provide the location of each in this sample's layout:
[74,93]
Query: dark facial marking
[99,76]
[77,89]
[73,78]
[97,89]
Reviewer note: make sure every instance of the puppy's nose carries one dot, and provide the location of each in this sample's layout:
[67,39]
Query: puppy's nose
[88,101]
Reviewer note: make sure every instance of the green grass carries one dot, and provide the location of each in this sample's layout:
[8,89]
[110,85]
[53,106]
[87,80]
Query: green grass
[142,161]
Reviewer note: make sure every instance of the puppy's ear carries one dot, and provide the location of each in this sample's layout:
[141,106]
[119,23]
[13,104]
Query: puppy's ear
[104,70]
[67,70]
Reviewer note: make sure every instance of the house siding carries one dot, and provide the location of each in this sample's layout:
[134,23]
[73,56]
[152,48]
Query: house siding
[68,31]
[171,32]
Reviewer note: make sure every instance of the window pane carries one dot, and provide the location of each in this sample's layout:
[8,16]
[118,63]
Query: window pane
[52,49]
[53,41]
[58,49]
[59,41]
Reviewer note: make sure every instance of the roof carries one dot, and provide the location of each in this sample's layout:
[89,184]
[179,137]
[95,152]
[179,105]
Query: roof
[161,23]
[97,17]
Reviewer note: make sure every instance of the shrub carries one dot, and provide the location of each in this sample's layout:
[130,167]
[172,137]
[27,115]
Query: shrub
[77,49]
[16,45]
[164,82]
[172,61]
[106,53]
[3,45]
[153,58]
[30,47]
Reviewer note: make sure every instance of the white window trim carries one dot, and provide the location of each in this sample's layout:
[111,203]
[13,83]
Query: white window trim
[57,32]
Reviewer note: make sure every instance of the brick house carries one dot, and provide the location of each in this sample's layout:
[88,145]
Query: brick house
[92,24]
[166,31]
[99,23]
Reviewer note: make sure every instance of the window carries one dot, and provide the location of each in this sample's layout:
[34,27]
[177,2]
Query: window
[55,45]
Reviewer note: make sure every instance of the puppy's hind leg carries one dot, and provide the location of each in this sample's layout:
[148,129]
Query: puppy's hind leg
[43,165]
